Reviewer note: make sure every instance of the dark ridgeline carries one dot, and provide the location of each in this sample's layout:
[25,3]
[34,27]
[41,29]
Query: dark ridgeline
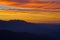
[9,35]
[45,31]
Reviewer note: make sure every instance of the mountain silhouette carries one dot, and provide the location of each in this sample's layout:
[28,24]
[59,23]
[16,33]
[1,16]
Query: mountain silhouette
[22,30]
[13,22]
[9,35]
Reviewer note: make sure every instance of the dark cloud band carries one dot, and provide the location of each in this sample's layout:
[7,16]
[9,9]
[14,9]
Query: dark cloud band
[19,1]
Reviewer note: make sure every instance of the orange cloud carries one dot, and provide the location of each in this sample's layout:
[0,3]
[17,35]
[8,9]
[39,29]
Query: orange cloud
[41,17]
[41,5]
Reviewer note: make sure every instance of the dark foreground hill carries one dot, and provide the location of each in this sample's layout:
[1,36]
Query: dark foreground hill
[9,35]
[22,30]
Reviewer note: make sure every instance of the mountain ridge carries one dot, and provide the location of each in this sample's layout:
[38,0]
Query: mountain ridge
[8,35]
[22,30]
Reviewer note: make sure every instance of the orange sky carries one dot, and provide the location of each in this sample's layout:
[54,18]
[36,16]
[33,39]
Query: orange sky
[42,5]
[37,17]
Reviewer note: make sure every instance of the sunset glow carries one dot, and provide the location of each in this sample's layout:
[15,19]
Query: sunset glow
[50,10]
[40,17]
[42,5]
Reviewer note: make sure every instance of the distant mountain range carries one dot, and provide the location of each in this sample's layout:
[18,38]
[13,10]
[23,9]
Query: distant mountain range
[9,35]
[22,30]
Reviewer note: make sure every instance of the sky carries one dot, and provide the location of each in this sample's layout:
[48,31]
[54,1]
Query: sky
[40,4]
[51,6]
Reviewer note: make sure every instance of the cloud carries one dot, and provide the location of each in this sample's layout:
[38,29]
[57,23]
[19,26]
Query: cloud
[20,1]
[41,4]
[48,0]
